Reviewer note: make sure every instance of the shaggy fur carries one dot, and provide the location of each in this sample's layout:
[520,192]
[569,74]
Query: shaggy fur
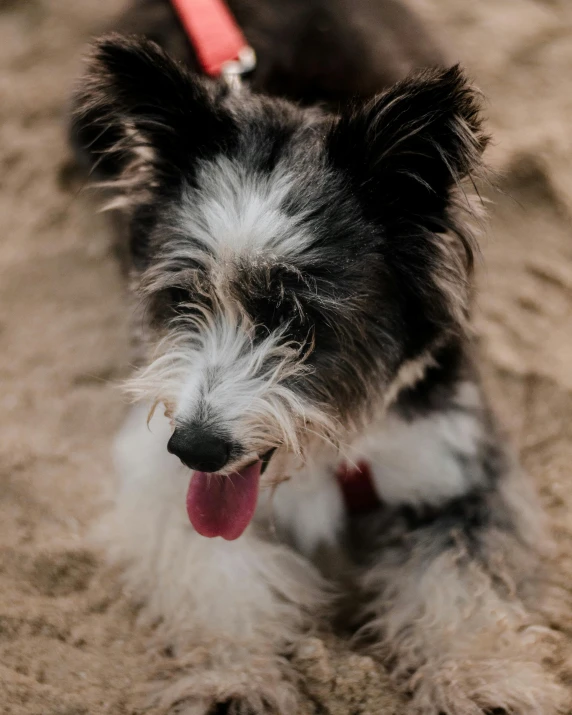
[303,279]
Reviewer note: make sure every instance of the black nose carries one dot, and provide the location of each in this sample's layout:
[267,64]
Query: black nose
[199,449]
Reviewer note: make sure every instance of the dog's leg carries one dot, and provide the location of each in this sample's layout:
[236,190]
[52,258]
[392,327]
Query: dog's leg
[229,610]
[449,618]
[451,581]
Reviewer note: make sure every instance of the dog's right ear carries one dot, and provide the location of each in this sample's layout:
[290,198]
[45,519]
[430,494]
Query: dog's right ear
[134,100]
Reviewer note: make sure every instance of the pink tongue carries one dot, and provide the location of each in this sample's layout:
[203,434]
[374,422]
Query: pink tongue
[220,505]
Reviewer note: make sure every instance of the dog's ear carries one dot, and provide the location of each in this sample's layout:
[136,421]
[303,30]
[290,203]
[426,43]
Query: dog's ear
[134,98]
[407,148]
[404,155]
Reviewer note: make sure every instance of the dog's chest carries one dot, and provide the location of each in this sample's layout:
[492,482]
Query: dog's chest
[425,461]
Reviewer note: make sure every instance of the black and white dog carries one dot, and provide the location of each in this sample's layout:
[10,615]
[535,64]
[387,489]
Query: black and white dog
[302,272]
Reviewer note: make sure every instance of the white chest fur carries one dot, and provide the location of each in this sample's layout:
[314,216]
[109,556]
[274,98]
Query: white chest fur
[422,461]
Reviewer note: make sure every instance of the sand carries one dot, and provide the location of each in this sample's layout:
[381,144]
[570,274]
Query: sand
[70,642]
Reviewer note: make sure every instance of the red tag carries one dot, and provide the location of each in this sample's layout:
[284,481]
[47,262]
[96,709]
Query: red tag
[213,31]
[357,487]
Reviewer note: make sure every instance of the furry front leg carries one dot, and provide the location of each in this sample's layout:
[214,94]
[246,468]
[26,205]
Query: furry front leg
[229,610]
[451,594]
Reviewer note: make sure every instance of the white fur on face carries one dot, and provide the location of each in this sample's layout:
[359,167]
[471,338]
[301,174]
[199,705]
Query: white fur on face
[218,376]
[209,369]
[237,213]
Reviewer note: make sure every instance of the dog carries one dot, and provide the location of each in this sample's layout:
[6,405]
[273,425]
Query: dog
[301,262]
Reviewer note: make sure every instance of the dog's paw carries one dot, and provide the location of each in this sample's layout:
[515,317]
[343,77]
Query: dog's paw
[233,706]
[259,688]
[487,687]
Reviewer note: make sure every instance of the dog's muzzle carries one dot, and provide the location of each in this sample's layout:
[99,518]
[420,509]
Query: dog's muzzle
[217,504]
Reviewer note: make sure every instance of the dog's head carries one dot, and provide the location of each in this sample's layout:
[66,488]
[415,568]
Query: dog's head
[296,267]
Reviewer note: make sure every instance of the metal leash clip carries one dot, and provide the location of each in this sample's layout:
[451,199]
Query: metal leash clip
[234,70]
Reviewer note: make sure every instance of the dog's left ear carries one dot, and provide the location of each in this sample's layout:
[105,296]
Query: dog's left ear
[136,100]
[407,148]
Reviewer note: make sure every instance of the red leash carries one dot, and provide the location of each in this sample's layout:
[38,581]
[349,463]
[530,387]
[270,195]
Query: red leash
[218,40]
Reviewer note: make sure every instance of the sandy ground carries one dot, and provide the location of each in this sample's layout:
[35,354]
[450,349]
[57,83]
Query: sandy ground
[69,641]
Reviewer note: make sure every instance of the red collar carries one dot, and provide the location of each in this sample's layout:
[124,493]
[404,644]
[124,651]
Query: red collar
[358,490]
[218,41]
